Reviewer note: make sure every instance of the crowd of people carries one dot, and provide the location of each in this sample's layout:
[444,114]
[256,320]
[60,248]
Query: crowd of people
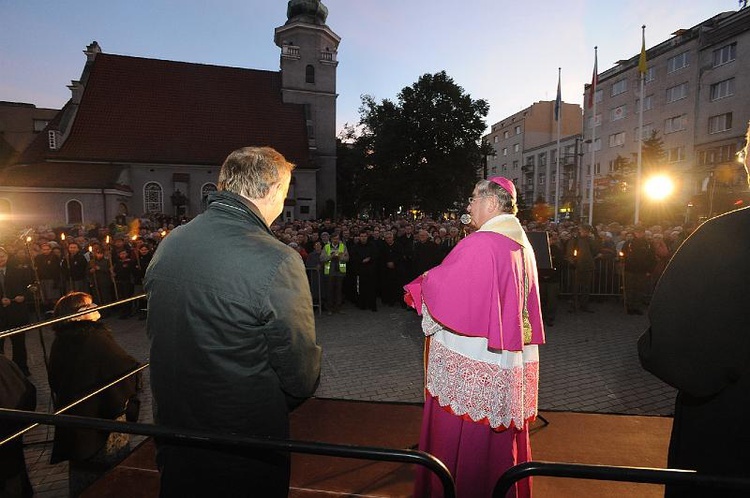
[362,262]
[375,258]
[233,341]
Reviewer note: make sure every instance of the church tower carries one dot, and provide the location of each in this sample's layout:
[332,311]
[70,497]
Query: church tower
[308,77]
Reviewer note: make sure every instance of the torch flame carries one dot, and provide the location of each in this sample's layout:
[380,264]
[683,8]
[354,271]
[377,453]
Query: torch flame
[62,236]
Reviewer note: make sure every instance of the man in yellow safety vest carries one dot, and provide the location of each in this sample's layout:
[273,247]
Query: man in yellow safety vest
[334,258]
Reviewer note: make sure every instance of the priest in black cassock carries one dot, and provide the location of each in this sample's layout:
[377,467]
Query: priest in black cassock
[699,342]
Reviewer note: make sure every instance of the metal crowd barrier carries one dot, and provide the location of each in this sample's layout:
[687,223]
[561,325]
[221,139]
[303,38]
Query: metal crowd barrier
[614,473]
[606,280]
[313,277]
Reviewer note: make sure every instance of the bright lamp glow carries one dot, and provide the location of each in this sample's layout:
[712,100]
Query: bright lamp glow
[658,187]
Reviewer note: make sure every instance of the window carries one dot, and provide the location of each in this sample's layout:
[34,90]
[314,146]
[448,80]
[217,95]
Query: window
[722,122]
[617,139]
[677,92]
[722,89]
[650,74]
[506,134]
[40,125]
[515,165]
[505,167]
[676,154]
[595,120]
[516,147]
[598,169]
[675,123]
[73,212]
[619,87]
[153,198]
[543,160]
[52,139]
[205,190]
[648,129]
[542,178]
[618,113]
[599,96]
[677,62]
[725,153]
[597,144]
[309,74]
[725,54]
[495,139]
[530,161]
[304,210]
[648,104]
[505,151]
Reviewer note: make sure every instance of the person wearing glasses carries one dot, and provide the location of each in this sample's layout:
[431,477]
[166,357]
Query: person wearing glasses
[482,318]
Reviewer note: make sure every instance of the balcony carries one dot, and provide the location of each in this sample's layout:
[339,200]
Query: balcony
[290,52]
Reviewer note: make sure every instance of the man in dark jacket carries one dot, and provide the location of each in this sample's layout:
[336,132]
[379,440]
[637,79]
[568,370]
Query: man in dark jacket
[15,298]
[639,260]
[232,332]
[698,343]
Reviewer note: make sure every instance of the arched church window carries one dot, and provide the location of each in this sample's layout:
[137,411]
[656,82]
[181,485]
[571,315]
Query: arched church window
[205,190]
[153,198]
[73,212]
[309,74]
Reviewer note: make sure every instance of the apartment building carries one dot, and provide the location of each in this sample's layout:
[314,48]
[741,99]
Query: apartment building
[696,97]
[531,129]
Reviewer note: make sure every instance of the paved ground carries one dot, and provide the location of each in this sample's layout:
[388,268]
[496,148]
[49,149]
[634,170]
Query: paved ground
[589,364]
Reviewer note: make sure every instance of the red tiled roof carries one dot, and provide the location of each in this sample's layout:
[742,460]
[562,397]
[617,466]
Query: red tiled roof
[62,175]
[137,110]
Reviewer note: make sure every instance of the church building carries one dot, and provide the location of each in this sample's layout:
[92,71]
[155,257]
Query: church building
[143,136]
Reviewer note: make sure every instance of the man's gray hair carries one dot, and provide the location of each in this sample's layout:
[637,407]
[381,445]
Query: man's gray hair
[252,171]
[505,201]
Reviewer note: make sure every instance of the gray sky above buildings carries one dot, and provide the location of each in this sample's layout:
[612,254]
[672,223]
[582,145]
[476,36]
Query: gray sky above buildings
[506,52]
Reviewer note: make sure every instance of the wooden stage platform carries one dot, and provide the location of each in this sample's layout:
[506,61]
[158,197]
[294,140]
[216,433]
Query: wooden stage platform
[569,437]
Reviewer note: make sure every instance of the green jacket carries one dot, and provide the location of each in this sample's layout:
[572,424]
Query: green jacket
[231,324]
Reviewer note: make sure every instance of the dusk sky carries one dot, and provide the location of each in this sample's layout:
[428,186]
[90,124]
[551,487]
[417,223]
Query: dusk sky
[504,52]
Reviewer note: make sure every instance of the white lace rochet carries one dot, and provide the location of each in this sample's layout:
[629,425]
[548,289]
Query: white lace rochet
[496,387]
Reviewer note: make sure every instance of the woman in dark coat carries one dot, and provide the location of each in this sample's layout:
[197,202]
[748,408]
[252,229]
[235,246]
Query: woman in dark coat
[84,357]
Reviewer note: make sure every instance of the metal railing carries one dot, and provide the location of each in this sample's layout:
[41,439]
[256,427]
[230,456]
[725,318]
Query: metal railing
[606,279]
[614,473]
[202,438]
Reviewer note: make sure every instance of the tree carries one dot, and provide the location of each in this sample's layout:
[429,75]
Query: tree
[423,151]
[652,153]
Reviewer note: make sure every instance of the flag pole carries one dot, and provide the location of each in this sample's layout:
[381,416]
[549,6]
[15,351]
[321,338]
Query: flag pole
[594,81]
[642,73]
[558,116]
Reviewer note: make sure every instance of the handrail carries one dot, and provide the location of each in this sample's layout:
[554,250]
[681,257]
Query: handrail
[273,444]
[78,401]
[613,473]
[45,323]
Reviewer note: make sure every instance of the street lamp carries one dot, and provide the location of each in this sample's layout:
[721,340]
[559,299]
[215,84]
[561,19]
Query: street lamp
[658,187]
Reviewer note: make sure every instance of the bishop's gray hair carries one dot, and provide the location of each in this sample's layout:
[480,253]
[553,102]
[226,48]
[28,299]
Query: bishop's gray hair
[505,201]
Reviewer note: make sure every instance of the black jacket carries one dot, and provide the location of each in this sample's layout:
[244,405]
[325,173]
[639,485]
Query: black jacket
[83,358]
[698,342]
[231,324]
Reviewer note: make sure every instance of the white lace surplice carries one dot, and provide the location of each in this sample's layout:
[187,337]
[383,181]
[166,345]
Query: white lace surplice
[497,386]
